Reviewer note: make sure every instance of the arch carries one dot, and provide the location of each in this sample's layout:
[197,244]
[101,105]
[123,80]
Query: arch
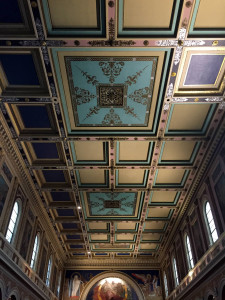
[48,275]
[2,289]
[210,223]
[59,283]
[13,221]
[221,289]
[14,294]
[210,295]
[175,273]
[117,275]
[35,251]
[189,253]
[165,285]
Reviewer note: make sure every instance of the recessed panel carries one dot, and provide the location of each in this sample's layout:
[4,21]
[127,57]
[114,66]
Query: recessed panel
[75,17]
[126,226]
[19,69]
[133,152]
[154,225]
[159,212]
[117,91]
[73,13]
[198,71]
[208,18]
[147,13]
[117,205]
[189,117]
[170,177]
[99,237]
[152,17]
[87,176]
[86,152]
[193,77]
[125,237]
[151,237]
[163,196]
[148,246]
[97,226]
[131,177]
[178,151]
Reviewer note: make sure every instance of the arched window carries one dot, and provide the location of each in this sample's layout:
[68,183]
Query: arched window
[13,222]
[189,252]
[165,285]
[49,271]
[175,273]
[211,227]
[59,284]
[35,251]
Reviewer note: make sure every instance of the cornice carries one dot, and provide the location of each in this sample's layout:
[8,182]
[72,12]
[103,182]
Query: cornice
[212,145]
[114,263]
[28,187]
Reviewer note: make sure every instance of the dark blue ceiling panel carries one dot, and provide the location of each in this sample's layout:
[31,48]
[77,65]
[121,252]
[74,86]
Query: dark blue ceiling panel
[10,12]
[73,237]
[69,225]
[65,212]
[203,69]
[45,150]
[76,246]
[54,176]
[60,196]
[34,116]
[19,69]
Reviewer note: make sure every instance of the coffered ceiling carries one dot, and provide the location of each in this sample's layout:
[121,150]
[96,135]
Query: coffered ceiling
[115,107]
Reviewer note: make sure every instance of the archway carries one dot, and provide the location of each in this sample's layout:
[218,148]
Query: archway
[112,286]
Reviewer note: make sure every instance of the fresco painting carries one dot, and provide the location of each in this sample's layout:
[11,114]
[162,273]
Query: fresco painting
[112,288]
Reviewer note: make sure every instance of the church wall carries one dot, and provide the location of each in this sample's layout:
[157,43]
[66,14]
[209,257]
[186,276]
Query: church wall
[27,227]
[206,255]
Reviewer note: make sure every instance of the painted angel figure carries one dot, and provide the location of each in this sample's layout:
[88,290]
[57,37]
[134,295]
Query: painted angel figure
[147,281]
[75,286]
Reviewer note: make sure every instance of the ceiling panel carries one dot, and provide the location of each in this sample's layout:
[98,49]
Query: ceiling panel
[114,108]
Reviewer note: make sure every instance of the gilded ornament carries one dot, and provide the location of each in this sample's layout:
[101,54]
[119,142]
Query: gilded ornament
[76,43]
[196,99]
[180,43]
[146,43]
[173,74]
[188,4]
[34,4]
[8,43]
[111,4]
[49,74]
[215,43]
[111,69]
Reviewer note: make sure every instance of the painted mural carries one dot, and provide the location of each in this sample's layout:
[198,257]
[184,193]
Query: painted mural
[112,288]
[148,281]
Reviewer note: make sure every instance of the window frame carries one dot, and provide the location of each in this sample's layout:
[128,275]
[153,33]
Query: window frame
[15,224]
[175,272]
[59,284]
[165,284]
[36,252]
[190,258]
[49,271]
[207,223]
